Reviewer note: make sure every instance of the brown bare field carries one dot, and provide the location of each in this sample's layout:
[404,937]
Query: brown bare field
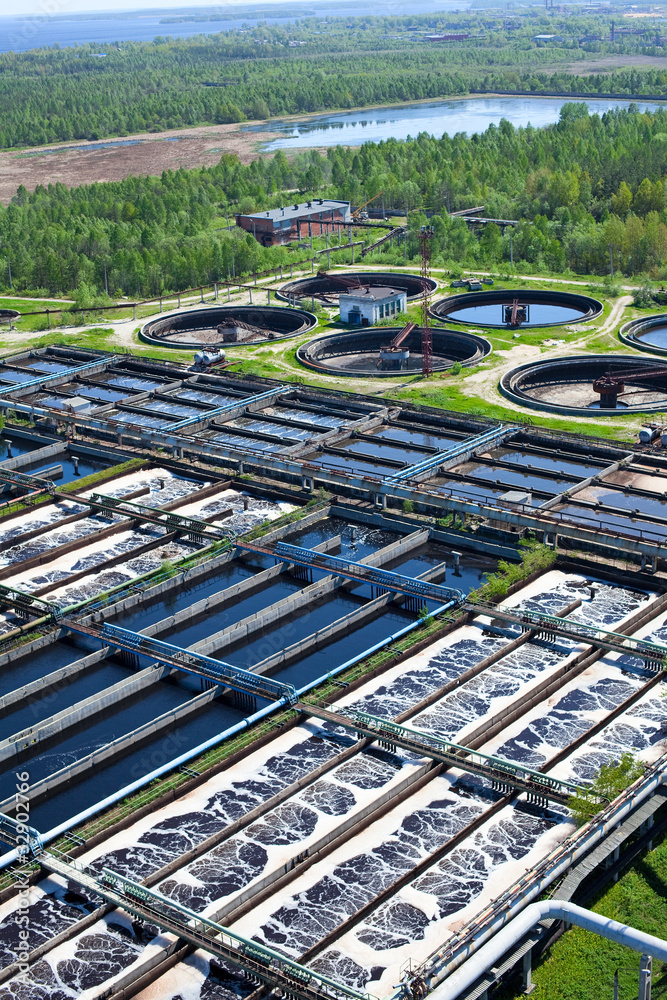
[608,63]
[75,163]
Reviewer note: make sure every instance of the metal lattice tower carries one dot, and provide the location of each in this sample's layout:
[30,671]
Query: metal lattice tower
[425,238]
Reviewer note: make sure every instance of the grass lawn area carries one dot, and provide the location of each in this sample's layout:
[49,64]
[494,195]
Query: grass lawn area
[581,965]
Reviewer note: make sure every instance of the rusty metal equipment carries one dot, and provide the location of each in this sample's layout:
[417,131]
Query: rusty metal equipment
[611,385]
[228,330]
[346,284]
[359,214]
[516,313]
[394,355]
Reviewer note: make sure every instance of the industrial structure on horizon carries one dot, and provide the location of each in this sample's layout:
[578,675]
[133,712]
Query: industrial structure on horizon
[282,225]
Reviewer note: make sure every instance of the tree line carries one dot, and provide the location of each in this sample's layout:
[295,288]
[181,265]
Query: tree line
[93,91]
[586,189]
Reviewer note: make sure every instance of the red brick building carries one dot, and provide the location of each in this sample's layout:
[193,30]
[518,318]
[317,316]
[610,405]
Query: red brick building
[295,222]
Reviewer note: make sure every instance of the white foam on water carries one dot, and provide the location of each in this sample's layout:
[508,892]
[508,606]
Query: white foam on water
[412,830]
[477,867]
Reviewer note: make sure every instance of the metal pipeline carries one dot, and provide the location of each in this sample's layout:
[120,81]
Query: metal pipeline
[493,951]
[11,856]
[22,629]
[548,871]
[371,649]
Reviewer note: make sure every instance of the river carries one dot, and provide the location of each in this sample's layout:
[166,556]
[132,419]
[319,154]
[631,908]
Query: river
[469,114]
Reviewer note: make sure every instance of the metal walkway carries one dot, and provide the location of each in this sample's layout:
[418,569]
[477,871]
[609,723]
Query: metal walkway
[25,838]
[205,667]
[242,401]
[258,963]
[26,606]
[68,373]
[393,233]
[504,774]
[431,464]
[360,572]
[26,482]
[653,654]
[196,529]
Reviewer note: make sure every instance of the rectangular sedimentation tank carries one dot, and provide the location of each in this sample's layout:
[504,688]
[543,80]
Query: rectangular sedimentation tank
[351,857]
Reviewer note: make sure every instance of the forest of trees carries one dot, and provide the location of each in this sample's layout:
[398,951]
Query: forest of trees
[93,91]
[582,189]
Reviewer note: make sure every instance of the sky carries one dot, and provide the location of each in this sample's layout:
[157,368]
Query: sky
[51,8]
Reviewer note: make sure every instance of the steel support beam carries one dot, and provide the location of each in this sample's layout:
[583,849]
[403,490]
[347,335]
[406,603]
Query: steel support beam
[654,654]
[12,478]
[198,530]
[504,774]
[430,466]
[26,606]
[243,402]
[90,367]
[187,660]
[358,571]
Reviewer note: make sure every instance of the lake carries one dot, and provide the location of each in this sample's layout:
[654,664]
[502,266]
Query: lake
[469,114]
[18,34]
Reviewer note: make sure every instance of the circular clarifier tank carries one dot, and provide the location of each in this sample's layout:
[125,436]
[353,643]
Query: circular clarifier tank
[648,334]
[222,326]
[9,315]
[327,287]
[589,384]
[369,353]
[516,308]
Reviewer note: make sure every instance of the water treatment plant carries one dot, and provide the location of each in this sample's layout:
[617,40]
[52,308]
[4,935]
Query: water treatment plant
[216,326]
[646,334]
[326,287]
[520,307]
[371,353]
[273,732]
[588,382]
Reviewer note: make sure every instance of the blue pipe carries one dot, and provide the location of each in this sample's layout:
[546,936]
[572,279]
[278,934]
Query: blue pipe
[57,831]
[372,649]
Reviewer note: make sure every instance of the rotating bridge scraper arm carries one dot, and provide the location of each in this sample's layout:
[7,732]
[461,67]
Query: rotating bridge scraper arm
[612,384]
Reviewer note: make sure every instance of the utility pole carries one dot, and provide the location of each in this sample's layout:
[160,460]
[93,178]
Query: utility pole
[9,268]
[616,985]
[511,252]
[425,238]
[611,262]
[106,285]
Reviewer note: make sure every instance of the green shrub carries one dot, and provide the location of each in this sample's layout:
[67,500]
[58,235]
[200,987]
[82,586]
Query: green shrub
[644,297]
[610,782]
[534,557]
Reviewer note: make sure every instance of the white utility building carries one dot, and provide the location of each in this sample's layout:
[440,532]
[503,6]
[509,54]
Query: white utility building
[366,306]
